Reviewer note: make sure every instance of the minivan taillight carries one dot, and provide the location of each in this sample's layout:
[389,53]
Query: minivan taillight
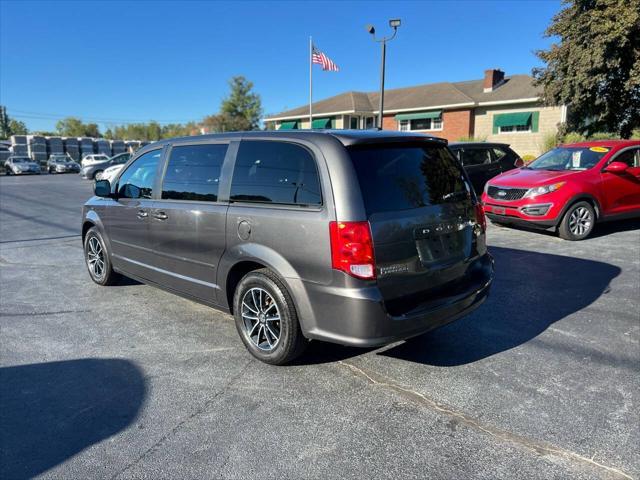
[352,249]
[480,217]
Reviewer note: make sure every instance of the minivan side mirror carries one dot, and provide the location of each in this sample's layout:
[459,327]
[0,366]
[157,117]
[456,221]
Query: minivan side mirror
[102,188]
[616,167]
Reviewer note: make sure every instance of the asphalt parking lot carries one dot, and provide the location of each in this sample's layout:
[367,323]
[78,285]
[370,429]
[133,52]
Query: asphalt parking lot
[133,382]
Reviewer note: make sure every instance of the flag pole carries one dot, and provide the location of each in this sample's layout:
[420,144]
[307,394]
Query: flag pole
[310,82]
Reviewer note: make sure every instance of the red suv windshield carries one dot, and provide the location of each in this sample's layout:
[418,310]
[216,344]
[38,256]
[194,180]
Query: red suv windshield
[569,158]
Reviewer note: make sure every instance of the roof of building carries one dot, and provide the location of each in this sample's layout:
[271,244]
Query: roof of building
[433,95]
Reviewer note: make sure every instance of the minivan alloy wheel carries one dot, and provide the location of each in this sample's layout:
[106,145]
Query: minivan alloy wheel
[580,221]
[261,318]
[95,257]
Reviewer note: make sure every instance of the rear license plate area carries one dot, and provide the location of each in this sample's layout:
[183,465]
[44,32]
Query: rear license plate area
[443,247]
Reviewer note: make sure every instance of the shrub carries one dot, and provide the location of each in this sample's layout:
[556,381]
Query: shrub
[472,139]
[528,158]
[550,142]
[603,136]
[635,135]
[573,137]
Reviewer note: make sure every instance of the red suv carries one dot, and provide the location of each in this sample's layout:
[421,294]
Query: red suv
[569,188]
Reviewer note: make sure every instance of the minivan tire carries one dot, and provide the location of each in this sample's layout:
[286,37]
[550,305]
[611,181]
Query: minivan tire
[97,175]
[581,212]
[94,246]
[291,343]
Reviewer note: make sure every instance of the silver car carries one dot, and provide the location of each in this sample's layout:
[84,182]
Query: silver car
[58,163]
[355,237]
[21,165]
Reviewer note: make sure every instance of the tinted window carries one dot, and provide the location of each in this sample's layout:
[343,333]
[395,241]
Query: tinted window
[275,172]
[630,157]
[475,156]
[498,153]
[137,181]
[193,172]
[396,178]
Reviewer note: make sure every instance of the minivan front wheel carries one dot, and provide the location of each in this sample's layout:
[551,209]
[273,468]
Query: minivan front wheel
[578,222]
[97,259]
[266,318]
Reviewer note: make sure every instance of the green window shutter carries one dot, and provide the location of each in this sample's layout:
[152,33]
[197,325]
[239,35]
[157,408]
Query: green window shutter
[289,125]
[535,119]
[321,123]
[496,129]
[419,116]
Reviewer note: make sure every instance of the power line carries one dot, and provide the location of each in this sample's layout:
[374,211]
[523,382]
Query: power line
[54,116]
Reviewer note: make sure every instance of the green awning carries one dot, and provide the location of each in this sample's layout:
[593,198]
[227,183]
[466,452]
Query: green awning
[289,125]
[321,123]
[512,119]
[419,116]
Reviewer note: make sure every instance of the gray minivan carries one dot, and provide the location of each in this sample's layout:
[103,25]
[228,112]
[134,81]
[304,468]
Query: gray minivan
[354,237]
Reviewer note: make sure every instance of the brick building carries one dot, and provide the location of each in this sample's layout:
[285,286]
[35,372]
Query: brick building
[495,108]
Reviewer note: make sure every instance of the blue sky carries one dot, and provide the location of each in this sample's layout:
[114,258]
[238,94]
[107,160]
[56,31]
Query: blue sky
[170,61]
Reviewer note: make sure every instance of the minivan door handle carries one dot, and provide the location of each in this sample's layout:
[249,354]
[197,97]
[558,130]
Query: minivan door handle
[142,214]
[160,215]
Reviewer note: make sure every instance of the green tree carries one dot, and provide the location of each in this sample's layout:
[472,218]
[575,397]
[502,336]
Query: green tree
[17,127]
[70,127]
[242,109]
[9,126]
[5,129]
[595,66]
[92,130]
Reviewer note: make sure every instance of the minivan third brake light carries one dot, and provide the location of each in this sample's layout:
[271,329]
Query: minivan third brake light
[352,249]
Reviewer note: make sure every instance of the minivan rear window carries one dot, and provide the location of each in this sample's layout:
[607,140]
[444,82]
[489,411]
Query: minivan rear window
[396,177]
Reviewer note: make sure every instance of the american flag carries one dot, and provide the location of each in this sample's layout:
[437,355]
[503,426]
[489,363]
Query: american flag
[327,64]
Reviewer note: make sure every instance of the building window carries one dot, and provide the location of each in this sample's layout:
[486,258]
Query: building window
[353,123]
[368,122]
[421,124]
[516,122]
[515,129]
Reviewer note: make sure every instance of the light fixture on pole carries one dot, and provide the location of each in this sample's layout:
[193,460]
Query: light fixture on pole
[394,23]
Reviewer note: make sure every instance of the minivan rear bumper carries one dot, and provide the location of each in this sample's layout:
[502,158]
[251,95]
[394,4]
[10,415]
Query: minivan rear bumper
[358,317]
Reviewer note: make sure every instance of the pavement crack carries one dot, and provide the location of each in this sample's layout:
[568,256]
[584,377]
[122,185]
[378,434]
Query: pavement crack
[538,447]
[184,421]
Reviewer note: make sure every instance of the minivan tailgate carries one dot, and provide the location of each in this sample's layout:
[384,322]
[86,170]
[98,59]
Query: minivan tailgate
[421,210]
[420,250]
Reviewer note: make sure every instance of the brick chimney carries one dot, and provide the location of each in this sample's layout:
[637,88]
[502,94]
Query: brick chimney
[493,78]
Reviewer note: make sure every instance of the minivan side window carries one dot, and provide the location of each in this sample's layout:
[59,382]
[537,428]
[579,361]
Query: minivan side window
[275,172]
[193,172]
[137,181]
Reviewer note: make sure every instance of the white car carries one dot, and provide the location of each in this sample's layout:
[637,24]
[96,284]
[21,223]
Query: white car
[93,158]
[111,172]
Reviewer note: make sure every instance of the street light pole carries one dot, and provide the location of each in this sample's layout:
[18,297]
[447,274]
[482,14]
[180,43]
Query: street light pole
[395,23]
[381,109]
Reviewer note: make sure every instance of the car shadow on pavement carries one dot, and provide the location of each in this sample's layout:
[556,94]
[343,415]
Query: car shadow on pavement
[530,292]
[607,228]
[52,411]
[601,229]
